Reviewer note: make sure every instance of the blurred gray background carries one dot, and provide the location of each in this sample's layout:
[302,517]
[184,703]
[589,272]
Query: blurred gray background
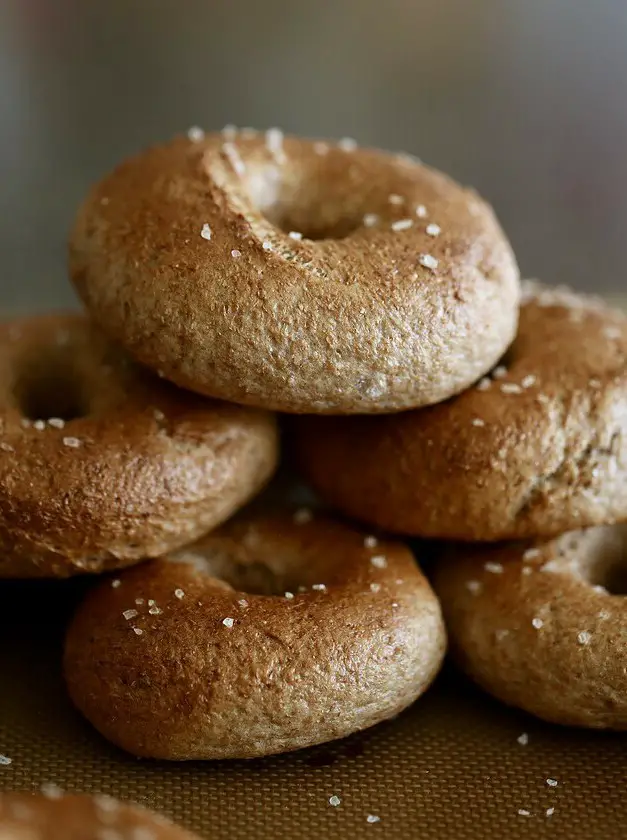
[525,99]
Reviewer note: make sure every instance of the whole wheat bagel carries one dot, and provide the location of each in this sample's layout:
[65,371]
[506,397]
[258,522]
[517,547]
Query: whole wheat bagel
[54,816]
[271,634]
[536,449]
[544,627]
[101,464]
[297,276]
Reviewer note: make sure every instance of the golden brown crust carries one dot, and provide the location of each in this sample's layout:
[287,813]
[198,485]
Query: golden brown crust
[321,325]
[358,644]
[536,626]
[536,450]
[141,468]
[27,816]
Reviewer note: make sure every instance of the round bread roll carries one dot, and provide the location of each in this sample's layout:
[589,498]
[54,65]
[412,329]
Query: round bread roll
[27,816]
[101,464]
[295,275]
[271,634]
[536,449]
[544,626]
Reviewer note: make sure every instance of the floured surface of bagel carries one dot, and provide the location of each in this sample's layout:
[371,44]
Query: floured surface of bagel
[399,290]
[544,626]
[536,449]
[25,816]
[175,662]
[102,464]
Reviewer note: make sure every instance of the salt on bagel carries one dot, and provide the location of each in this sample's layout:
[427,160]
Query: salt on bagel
[295,275]
[543,626]
[271,634]
[56,816]
[102,464]
[537,448]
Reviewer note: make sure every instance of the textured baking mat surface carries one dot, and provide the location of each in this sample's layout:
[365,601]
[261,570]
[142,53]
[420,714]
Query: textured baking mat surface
[450,767]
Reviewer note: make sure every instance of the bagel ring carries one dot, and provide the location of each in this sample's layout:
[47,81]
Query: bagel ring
[536,449]
[58,816]
[101,464]
[175,663]
[544,627]
[297,276]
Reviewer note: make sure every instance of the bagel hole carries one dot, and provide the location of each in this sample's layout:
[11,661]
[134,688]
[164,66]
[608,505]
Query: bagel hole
[49,389]
[244,574]
[607,566]
[305,209]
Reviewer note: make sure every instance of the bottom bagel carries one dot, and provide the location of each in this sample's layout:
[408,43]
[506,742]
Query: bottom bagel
[271,634]
[544,626]
[24,816]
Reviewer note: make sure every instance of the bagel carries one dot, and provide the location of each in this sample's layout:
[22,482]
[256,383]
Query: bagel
[101,464]
[536,449]
[544,626]
[27,816]
[297,276]
[271,634]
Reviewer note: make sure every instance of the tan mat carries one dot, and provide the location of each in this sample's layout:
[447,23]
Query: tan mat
[450,767]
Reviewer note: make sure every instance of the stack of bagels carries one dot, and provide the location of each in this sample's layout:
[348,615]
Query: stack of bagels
[427,393]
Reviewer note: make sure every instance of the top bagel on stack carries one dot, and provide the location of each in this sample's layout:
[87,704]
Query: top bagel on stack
[297,276]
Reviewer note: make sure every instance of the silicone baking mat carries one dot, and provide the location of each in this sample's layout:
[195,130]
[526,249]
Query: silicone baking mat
[452,766]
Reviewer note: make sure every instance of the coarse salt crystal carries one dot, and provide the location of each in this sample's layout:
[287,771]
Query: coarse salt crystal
[370,541]
[138,631]
[484,384]
[552,782]
[373,818]
[295,234]
[370,219]
[288,595]
[433,230]
[5,760]
[474,586]
[523,739]
[51,791]
[6,447]
[139,601]
[243,602]
[178,593]
[235,253]
[154,610]
[524,812]
[375,587]
[347,144]
[494,568]
[584,637]
[401,224]
[274,142]
[72,442]
[266,245]
[116,583]
[477,421]
[128,614]
[196,134]
[228,622]
[528,381]
[537,623]
[334,800]
[511,388]
[395,199]
[319,587]
[499,372]
[302,516]
[40,425]
[205,231]
[530,553]
[421,211]
[427,261]
[158,415]
[550,812]
[56,422]
[379,561]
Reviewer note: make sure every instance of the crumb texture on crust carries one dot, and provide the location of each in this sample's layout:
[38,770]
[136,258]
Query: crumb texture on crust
[352,281]
[537,448]
[53,815]
[102,464]
[275,632]
[543,626]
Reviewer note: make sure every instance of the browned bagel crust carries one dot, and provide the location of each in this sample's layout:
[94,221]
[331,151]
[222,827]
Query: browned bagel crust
[27,816]
[145,468]
[322,325]
[535,451]
[536,627]
[290,672]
